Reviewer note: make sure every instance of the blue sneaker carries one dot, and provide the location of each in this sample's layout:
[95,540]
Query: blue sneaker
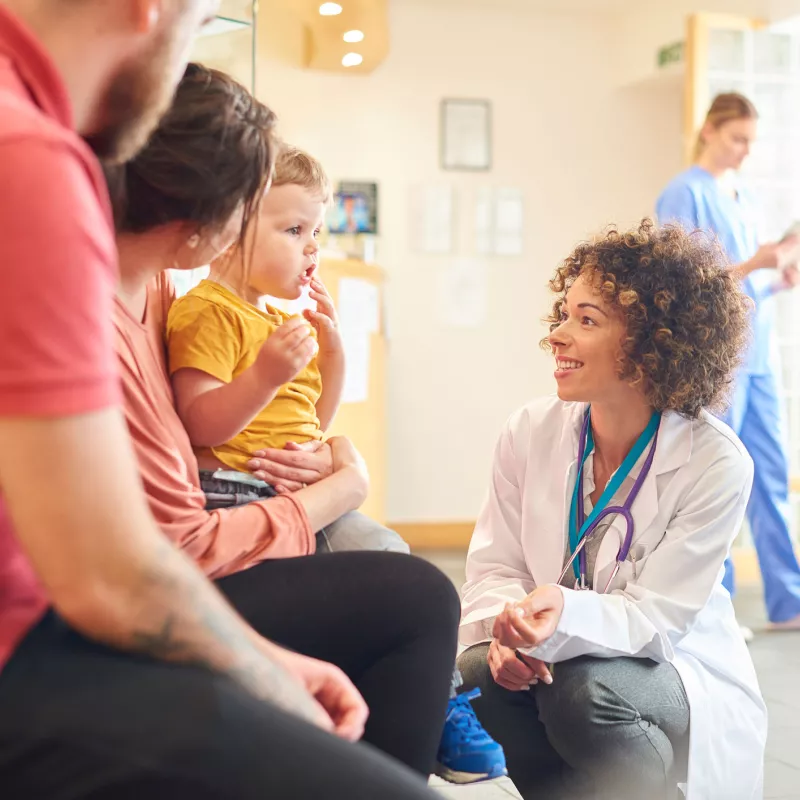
[467,754]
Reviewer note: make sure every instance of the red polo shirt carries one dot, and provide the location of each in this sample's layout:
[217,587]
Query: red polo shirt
[58,262]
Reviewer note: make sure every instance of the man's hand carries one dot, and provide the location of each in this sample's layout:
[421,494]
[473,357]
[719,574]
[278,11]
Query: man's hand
[513,671]
[294,467]
[531,622]
[345,712]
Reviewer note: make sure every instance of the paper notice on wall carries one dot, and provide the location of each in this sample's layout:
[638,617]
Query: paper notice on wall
[508,222]
[358,307]
[356,342]
[499,222]
[359,304]
[432,219]
[484,222]
[462,290]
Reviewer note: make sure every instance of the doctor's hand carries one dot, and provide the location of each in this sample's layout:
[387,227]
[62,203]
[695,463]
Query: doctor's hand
[513,671]
[532,621]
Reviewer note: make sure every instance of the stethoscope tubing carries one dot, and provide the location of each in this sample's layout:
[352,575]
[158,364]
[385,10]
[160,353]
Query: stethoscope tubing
[624,510]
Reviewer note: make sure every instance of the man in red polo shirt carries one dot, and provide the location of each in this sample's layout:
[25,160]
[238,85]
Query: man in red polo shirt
[94,601]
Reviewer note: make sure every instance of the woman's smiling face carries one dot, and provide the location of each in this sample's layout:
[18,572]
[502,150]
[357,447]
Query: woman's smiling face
[587,345]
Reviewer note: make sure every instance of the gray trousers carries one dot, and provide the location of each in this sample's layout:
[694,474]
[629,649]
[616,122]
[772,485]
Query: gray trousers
[607,729]
[356,531]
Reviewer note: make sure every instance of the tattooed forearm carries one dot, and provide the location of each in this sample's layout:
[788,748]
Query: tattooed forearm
[181,617]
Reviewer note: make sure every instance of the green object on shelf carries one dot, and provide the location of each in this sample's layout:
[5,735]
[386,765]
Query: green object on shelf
[670,54]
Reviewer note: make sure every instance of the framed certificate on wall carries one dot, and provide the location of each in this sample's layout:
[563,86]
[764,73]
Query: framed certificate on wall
[466,134]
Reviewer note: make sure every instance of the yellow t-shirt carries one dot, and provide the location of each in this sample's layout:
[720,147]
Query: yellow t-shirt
[213,330]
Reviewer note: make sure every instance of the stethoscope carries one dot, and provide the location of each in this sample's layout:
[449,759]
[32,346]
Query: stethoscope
[587,531]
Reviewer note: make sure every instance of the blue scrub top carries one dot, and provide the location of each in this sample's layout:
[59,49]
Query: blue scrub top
[695,200]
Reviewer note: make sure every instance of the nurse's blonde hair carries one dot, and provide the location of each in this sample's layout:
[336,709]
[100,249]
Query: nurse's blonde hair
[726,107]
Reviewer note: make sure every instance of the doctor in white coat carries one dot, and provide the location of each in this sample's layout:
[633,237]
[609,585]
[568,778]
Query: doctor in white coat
[621,673]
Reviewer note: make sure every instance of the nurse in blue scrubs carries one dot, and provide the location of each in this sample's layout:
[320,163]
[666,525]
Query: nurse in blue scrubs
[709,196]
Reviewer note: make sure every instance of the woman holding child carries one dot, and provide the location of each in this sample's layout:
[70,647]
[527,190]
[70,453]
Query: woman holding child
[605,645]
[247,376]
[387,623]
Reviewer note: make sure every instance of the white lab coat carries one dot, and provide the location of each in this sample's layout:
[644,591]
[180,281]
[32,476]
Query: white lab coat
[667,603]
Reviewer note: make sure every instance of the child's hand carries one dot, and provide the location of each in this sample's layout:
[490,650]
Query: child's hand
[286,352]
[324,319]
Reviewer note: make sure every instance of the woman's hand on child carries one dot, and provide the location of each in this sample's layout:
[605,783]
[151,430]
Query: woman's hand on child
[513,671]
[531,622]
[346,457]
[286,353]
[325,319]
[294,467]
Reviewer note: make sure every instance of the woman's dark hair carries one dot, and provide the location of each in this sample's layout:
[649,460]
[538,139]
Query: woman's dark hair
[686,318]
[213,151]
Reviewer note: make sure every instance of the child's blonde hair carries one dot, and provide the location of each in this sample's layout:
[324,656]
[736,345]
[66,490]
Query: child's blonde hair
[297,168]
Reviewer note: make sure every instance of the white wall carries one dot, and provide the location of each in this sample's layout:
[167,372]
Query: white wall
[586,151]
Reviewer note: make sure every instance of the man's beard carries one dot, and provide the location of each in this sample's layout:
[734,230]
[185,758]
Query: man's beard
[136,99]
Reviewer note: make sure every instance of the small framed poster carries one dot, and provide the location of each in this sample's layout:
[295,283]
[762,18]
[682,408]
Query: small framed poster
[466,134]
[355,208]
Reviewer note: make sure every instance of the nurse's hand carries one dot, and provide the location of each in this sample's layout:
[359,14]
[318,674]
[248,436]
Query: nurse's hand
[789,279]
[531,622]
[774,255]
[514,672]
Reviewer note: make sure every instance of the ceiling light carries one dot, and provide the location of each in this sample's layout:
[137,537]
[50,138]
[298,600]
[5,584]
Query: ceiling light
[352,60]
[354,36]
[330,9]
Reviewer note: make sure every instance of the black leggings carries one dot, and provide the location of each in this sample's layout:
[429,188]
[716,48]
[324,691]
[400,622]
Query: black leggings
[81,721]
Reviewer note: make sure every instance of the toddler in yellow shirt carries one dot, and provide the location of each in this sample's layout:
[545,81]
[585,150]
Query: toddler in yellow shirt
[247,376]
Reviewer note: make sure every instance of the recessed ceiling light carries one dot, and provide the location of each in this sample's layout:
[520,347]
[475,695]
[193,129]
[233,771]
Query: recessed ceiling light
[330,9]
[352,60]
[354,36]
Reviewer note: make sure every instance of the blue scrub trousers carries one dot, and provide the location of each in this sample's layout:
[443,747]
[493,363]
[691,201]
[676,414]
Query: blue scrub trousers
[756,418]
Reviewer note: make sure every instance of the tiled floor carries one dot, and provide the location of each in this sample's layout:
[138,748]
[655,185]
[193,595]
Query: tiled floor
[777,659]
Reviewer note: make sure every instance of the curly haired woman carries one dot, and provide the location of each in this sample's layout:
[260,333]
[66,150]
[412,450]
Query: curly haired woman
[605,646]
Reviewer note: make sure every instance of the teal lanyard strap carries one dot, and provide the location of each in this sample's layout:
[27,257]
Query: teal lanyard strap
[611,489]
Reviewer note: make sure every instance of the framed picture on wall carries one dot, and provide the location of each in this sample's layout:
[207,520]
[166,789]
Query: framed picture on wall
[355,208]
[466,134]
